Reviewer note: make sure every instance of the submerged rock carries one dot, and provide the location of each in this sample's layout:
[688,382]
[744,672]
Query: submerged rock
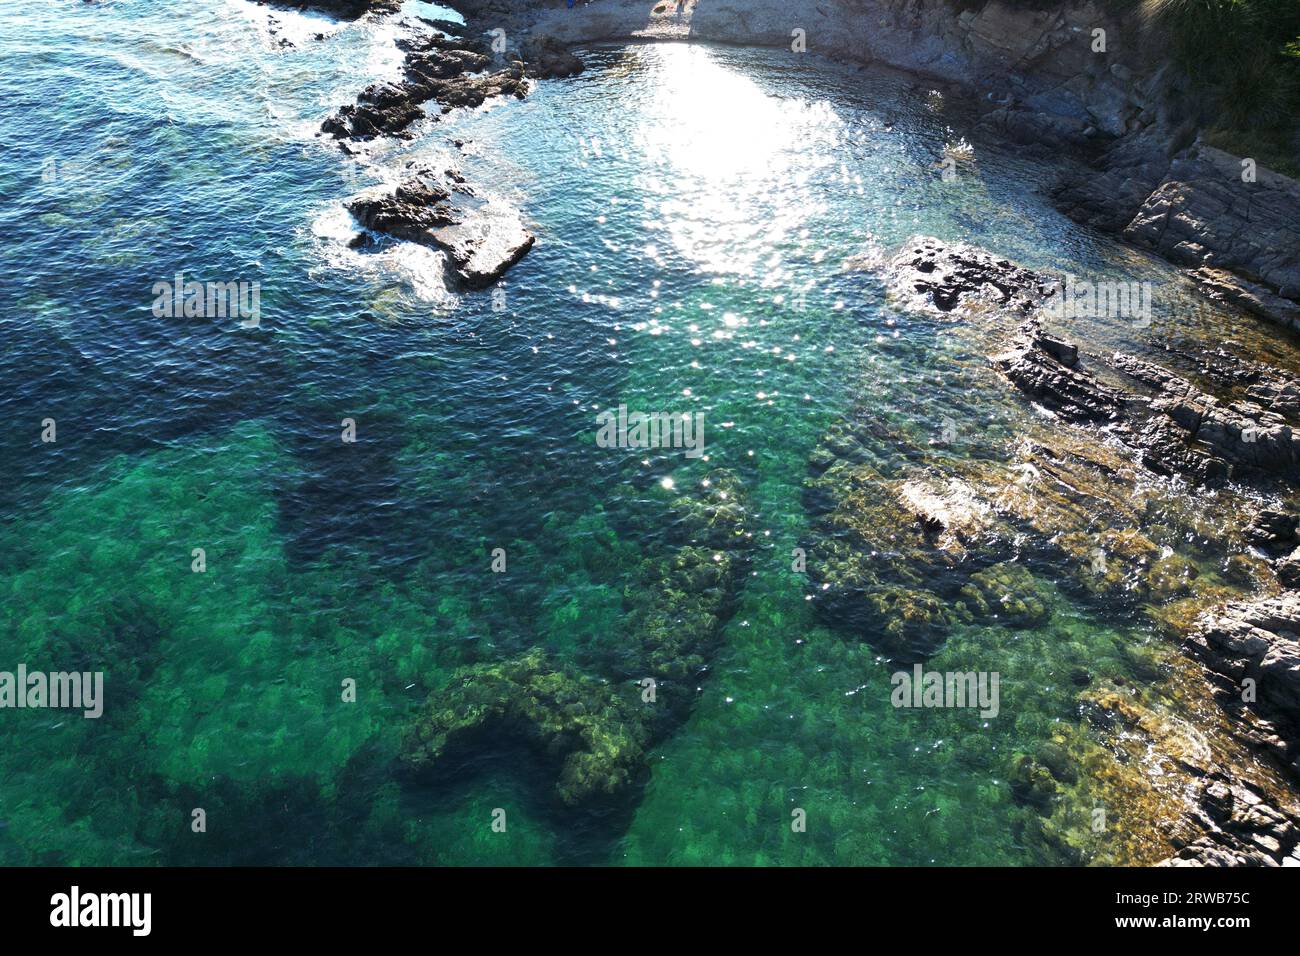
[598,726]
[597,732]
[1007,593]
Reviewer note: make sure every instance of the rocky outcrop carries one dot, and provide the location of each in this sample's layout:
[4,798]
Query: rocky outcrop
[482,239]
[548,58]
[452,72]
[1176,427]
[1046,369]
[1242,827]
[1253,647]
[929,273]
[1193,206]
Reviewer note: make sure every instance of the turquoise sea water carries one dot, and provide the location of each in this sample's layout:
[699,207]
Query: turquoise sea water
[694,206]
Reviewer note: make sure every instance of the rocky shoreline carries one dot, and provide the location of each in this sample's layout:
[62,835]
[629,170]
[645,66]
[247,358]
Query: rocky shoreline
[1033,76]
[1034,79]
[914,544]
[909,548]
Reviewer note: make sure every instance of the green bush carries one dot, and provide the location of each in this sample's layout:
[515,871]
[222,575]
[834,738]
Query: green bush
[1243,56]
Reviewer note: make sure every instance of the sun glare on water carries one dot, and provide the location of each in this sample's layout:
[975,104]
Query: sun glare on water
[732,162]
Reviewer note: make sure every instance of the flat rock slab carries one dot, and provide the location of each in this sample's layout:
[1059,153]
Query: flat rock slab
[490,240]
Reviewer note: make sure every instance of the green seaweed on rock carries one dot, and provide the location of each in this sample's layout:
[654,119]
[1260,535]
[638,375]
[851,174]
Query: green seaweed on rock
[597,729]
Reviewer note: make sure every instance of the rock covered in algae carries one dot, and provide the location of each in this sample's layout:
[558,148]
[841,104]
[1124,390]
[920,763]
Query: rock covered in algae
[597,731]
[596,725]
[1006,592]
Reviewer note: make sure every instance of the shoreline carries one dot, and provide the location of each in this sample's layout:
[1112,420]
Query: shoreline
[1034,81]
[1181,431]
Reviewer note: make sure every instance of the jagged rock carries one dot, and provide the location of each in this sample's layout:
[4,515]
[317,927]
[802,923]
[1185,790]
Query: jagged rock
[482,239]
[1190,433]
[1244,828]
[1033,365]
[412,211]
[1242,432]
[451,71]
[1288,570]
[1220,285]
[931,274]
[1272,530]
[1188,202]
[346,9]
[1260,641]
[486,244]
[1203,213]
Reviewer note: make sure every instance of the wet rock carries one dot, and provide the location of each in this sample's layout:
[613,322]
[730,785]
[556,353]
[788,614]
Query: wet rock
[1032,363]
[934,275]
[948,508]
[549,58]
[1258,641]
[485,244]
[344,9]
[1243,827]
[482,239]
[1242,432]
[1272,530]
[412,211]
[452,72]
[1288,570]
[1219,285]
[1177,428]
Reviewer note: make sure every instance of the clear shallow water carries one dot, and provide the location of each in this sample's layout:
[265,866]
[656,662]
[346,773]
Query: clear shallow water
[694,207]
